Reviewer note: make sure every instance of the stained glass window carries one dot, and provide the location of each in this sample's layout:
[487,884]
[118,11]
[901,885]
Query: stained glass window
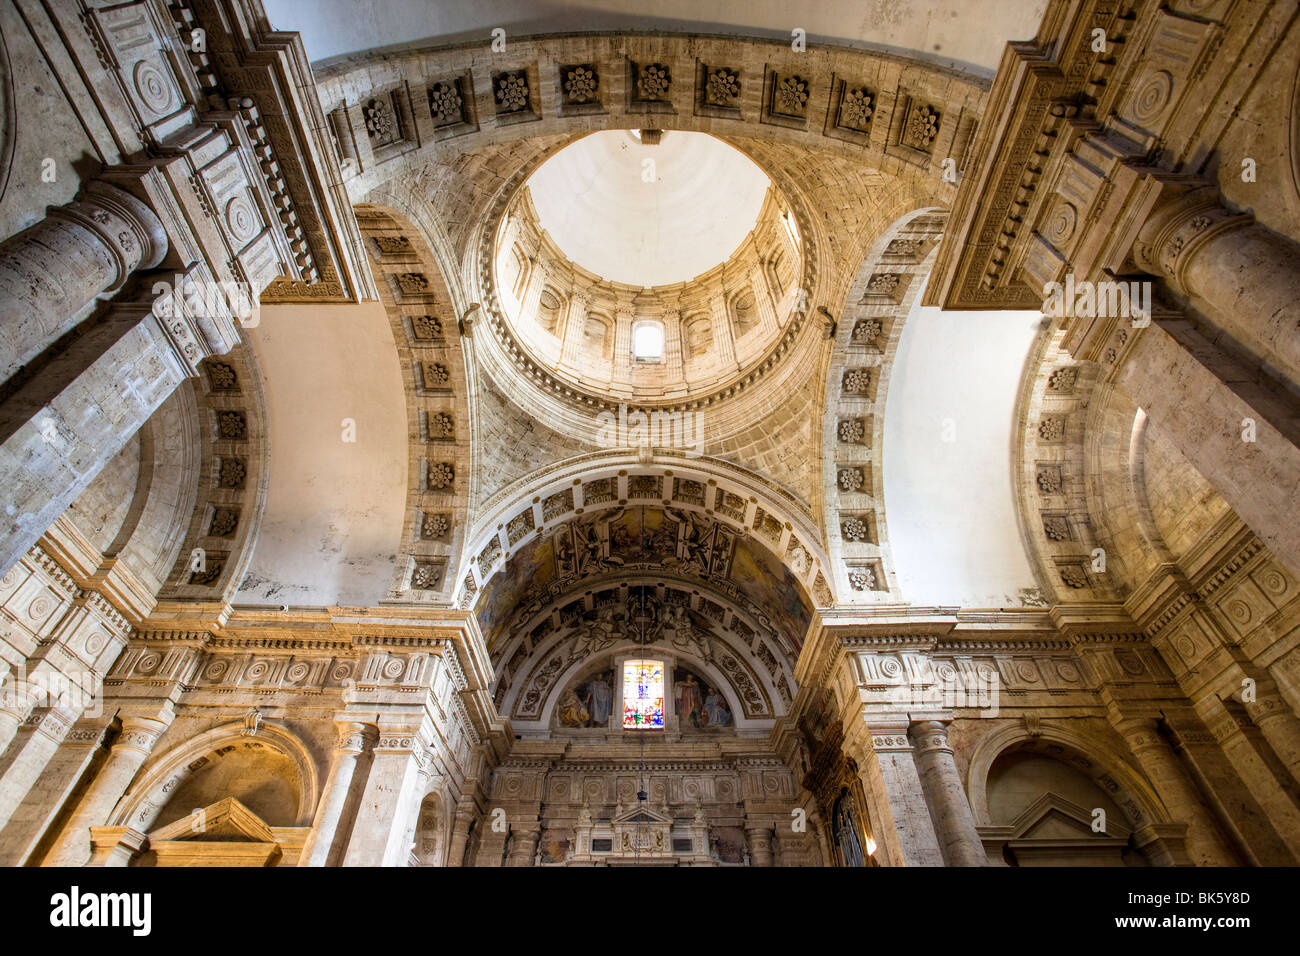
[643,695]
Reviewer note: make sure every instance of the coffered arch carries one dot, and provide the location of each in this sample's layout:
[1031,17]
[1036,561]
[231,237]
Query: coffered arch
[426,331]
[866,337]
[746,504]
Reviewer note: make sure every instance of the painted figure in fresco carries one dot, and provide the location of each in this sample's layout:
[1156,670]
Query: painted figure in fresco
[572,713]
[715,709]
[683,633]
[600,700]
[845,825]
[689,703]
[595,635]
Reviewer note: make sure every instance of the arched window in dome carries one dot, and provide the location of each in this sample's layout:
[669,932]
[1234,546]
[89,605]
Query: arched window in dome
[648,341]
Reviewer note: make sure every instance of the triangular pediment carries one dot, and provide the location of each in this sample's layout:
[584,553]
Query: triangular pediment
[642,815]
[1053,817]
[226,821]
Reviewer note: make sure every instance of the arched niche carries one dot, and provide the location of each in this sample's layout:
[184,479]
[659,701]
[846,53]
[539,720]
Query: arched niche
[195,768]
[432,830]
[1056,798]
[550,306]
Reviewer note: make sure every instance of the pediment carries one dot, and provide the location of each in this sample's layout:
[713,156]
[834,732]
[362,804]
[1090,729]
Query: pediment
[642,815]
[1053,817]
[226,821]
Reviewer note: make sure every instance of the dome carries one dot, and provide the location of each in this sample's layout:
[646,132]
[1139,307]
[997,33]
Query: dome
[648,215]
[648,267]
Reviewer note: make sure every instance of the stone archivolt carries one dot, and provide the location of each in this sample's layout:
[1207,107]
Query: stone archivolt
[889,725]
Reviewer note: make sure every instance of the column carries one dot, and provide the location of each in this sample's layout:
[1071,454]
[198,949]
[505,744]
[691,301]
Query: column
[949,808]
[51,271]
[621,377]
[133,746]
[460,827]
[575,321]
[899,815]
[769,322]
[390,797]
[325,843]
[62,426]
[1205,843]
[1278,724]
[1246,276]
[1202,416]
[523,842]
[760,844]
[724,336]
[1236,736]
[28,753]
[78,754]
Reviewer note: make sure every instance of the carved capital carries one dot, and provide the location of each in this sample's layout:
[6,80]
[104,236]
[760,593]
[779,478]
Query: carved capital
[1179,227]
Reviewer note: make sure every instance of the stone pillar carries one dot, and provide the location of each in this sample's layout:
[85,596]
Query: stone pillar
[17,699]
[1247,277]
[724,336]
[32,747]
[1238,738]
[1203,418]
[133,746]
[60,428]
[1278,724]
[51,271]
[624,315]
[325,843]
[390,798]
[523,842]
[760,844]
[949,808]
[41,807]
[1205,844]
[899,815]
[766,302]
[575,322]
[460,827]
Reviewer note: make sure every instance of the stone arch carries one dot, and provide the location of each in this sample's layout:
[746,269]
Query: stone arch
[573,672]
[427,333]
[165,497]
[743,308]
[232,480]
[866,335]
[432,830]
[697,333]
[160,776]
[550,307]
[768,514]
[1094,757]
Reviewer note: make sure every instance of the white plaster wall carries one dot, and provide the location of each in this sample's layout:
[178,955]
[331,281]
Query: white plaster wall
[333,518]
[960,33]
[950,505]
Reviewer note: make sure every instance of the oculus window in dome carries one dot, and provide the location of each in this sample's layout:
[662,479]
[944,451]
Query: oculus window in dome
[648,215]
